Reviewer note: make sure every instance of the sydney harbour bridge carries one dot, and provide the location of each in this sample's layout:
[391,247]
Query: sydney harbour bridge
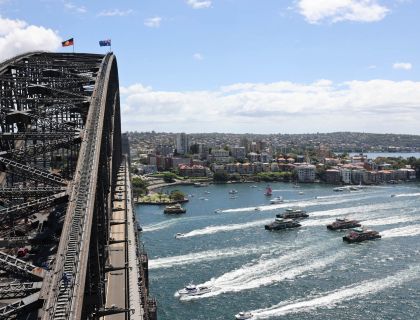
[68,235]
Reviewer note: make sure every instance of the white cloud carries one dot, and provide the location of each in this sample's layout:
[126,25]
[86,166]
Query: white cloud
[71,6]
[402,66]
[370,106]
[153,22]
[316,11]
[198,56]
[16,37]
[115,12]
[199,4]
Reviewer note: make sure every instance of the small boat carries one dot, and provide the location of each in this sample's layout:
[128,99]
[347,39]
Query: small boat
[276,200]
[207,192]
[193,290]
[253,186]
[339,189]
[301,192]
[176,208]
[257,209]
[200,184]
[393,195]
[179,235]
[218,211]
[268,191]
[243,315]
[233,191]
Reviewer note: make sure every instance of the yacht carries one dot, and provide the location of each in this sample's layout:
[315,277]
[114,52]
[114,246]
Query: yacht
[243,315]
[193,290]
[176,208]
[276,200]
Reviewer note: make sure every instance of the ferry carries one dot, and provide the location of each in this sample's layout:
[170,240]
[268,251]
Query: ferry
[340,224]
[243,315]
[276,200]
[193,290]
[280,224]
[176,208]
[268,191]
[293,213]
[360,234]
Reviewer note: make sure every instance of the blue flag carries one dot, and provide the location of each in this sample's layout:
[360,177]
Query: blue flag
[105,43]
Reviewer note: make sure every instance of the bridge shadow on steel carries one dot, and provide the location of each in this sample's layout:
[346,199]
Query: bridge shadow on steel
[60,152]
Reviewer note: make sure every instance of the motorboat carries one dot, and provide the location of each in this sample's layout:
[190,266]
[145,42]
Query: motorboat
[193,290]
[339,189]
[179,235]
[268,191]
[243,315]
[301,192]
[393,195]
[218,211]
[233,191]
[207,192]
[233,197]
[276,200]
[280,224]
[293,213]
[257,209]
[360,234]
[340,224]
[175,208]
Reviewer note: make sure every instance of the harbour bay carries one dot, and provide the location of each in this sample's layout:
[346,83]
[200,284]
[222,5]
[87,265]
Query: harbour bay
[304,273]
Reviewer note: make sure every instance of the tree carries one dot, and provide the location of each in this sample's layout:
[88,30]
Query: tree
[220,177]
[169,177]
[177,195]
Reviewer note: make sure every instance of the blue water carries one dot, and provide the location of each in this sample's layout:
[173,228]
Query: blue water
[305,273]
[374,155]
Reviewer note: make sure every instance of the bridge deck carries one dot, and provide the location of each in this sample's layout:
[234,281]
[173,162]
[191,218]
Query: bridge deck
[117,282]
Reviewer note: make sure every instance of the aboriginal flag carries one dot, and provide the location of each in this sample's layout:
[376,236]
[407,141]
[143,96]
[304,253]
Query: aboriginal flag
[69,42]
[105,43]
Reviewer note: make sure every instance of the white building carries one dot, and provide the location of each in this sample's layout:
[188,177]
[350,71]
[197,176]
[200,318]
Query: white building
[238,153]
[220,156]
[182,143]
[306,173]
[346,176]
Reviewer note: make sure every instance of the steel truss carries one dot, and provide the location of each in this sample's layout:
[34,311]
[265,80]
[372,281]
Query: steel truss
[60,149]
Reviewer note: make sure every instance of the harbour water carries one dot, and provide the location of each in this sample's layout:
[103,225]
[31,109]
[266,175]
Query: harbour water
[304,273]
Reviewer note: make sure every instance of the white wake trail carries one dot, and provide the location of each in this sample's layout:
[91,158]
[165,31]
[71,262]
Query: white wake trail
[224,228]
[269,271]
[159,225]
[204,256]
[407,195]
[408,231]
[332,298]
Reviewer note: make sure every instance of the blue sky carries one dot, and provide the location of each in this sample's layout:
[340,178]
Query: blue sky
[242,65]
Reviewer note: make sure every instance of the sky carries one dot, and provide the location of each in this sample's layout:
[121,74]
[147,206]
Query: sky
[257,66]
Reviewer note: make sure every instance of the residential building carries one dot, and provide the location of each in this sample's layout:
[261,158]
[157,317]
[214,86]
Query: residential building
[238,153]
[182,144]
[306,173]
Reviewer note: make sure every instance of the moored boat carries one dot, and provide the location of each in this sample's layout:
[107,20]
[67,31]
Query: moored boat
[276,200]
[175,208]
[360,234]
[268,191]
[340,224]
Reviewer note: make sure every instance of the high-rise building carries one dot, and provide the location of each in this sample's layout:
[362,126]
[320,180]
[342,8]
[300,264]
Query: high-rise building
[182,143]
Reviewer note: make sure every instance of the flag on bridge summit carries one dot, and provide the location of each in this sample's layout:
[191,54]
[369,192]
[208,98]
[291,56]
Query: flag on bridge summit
[105,43]
[69,42]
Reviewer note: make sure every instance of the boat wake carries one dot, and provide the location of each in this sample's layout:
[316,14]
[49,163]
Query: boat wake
[205,256]
[332,298]
[408,231]
[268,271]
[224,228]
[407,195]
[168,223]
